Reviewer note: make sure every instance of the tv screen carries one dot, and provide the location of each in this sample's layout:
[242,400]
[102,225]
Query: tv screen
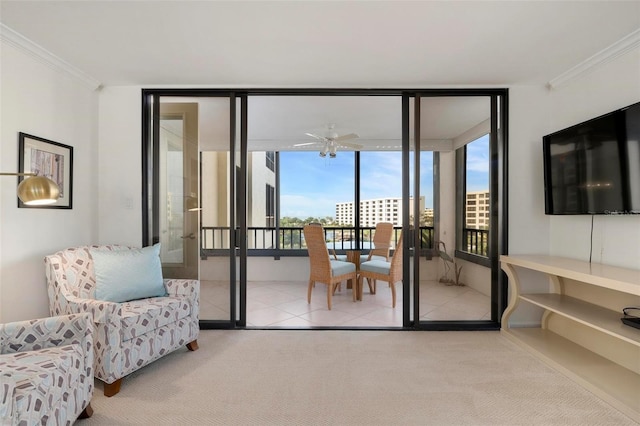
[594,167]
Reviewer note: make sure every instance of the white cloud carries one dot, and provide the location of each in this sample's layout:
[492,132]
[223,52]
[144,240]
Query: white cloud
[303,206]
[478,155]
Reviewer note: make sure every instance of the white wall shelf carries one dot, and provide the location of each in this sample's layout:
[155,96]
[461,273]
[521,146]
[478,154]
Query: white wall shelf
[573,351]
[612,277]
[591,315]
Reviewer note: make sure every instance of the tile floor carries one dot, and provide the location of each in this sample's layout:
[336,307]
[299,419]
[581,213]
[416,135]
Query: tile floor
[284,304]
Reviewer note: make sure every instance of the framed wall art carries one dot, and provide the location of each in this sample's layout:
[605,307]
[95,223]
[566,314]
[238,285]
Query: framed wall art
[50,159]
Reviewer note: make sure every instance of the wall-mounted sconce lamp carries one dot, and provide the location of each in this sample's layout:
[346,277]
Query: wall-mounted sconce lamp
[36,190]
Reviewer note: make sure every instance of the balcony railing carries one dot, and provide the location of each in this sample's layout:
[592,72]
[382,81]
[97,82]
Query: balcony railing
[477,241]
[215,238]
[288,239]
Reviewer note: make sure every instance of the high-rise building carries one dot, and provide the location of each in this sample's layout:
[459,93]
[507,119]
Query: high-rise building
[477,210]
[374,211]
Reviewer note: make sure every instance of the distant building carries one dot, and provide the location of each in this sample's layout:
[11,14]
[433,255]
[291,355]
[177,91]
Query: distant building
[261,201]
[477,210]
[427,217]
[374,211]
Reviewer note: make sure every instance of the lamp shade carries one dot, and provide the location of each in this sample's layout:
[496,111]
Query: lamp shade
[38,190]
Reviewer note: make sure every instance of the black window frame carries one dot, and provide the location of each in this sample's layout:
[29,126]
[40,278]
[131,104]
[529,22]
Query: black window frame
[270,206]
[461,200]
[270,160]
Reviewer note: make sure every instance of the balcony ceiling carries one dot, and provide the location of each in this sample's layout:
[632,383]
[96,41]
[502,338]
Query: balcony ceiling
[327,44]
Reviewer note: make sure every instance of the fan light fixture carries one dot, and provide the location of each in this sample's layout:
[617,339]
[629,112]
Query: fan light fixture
[36,190]
[331,141]
[329,148]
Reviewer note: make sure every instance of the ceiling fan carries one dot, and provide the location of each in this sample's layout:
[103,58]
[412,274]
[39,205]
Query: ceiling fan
[331,141]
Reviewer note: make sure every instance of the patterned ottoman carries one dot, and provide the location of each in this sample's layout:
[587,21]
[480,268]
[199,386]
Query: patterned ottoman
[46,370]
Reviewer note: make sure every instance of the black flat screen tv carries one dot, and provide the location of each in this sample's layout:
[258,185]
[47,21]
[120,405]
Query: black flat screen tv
[594,167]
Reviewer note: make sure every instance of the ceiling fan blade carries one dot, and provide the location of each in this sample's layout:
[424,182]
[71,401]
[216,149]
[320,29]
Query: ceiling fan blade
[346,137]
[306,144]
[350,145]
[320,138]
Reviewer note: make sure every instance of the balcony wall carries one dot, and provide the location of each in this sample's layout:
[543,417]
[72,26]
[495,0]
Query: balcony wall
[297,269]
[476,276]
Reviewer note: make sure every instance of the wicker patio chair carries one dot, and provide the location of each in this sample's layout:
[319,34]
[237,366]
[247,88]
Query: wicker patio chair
[381,243]
[377,269]
[321,268]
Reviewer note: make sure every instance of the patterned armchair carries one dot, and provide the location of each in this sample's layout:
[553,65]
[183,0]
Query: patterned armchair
[46,370]
[128,335]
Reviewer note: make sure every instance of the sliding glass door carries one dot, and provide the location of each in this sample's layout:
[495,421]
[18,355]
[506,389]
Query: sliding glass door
[307,158]
[460,279]
[232,177]
[178,194]
[191,169]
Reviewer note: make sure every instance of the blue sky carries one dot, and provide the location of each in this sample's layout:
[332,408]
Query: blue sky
[311,185]
[478,164]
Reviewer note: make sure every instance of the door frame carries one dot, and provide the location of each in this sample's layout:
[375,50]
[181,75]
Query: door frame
[188,112]
[499,169]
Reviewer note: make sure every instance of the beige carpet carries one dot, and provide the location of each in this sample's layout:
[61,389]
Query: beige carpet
[253,377]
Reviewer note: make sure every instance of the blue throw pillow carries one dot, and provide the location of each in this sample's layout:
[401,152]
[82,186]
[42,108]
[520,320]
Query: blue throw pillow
[129,274]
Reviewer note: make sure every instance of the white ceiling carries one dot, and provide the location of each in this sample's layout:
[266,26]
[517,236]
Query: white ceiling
[352,44]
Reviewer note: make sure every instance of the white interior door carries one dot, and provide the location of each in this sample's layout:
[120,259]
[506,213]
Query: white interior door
[179,196]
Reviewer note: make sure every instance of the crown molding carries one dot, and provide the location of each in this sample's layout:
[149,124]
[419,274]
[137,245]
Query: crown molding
[617,49]
[39,53]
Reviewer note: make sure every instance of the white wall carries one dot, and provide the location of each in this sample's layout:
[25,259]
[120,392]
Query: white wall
[528,227]
[43,101]
[447,218]
[39,100]
[534,111]
[537,111]
[616,239]
[120,167]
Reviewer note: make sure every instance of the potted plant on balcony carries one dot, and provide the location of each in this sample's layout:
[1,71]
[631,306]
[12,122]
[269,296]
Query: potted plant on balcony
[449,264]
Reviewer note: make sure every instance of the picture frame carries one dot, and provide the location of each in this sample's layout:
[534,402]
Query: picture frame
[50,159]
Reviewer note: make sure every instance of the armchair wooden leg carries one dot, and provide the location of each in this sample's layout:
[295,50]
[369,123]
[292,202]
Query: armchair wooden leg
[87,412]
[193,346]
[393,295]
[111,389]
